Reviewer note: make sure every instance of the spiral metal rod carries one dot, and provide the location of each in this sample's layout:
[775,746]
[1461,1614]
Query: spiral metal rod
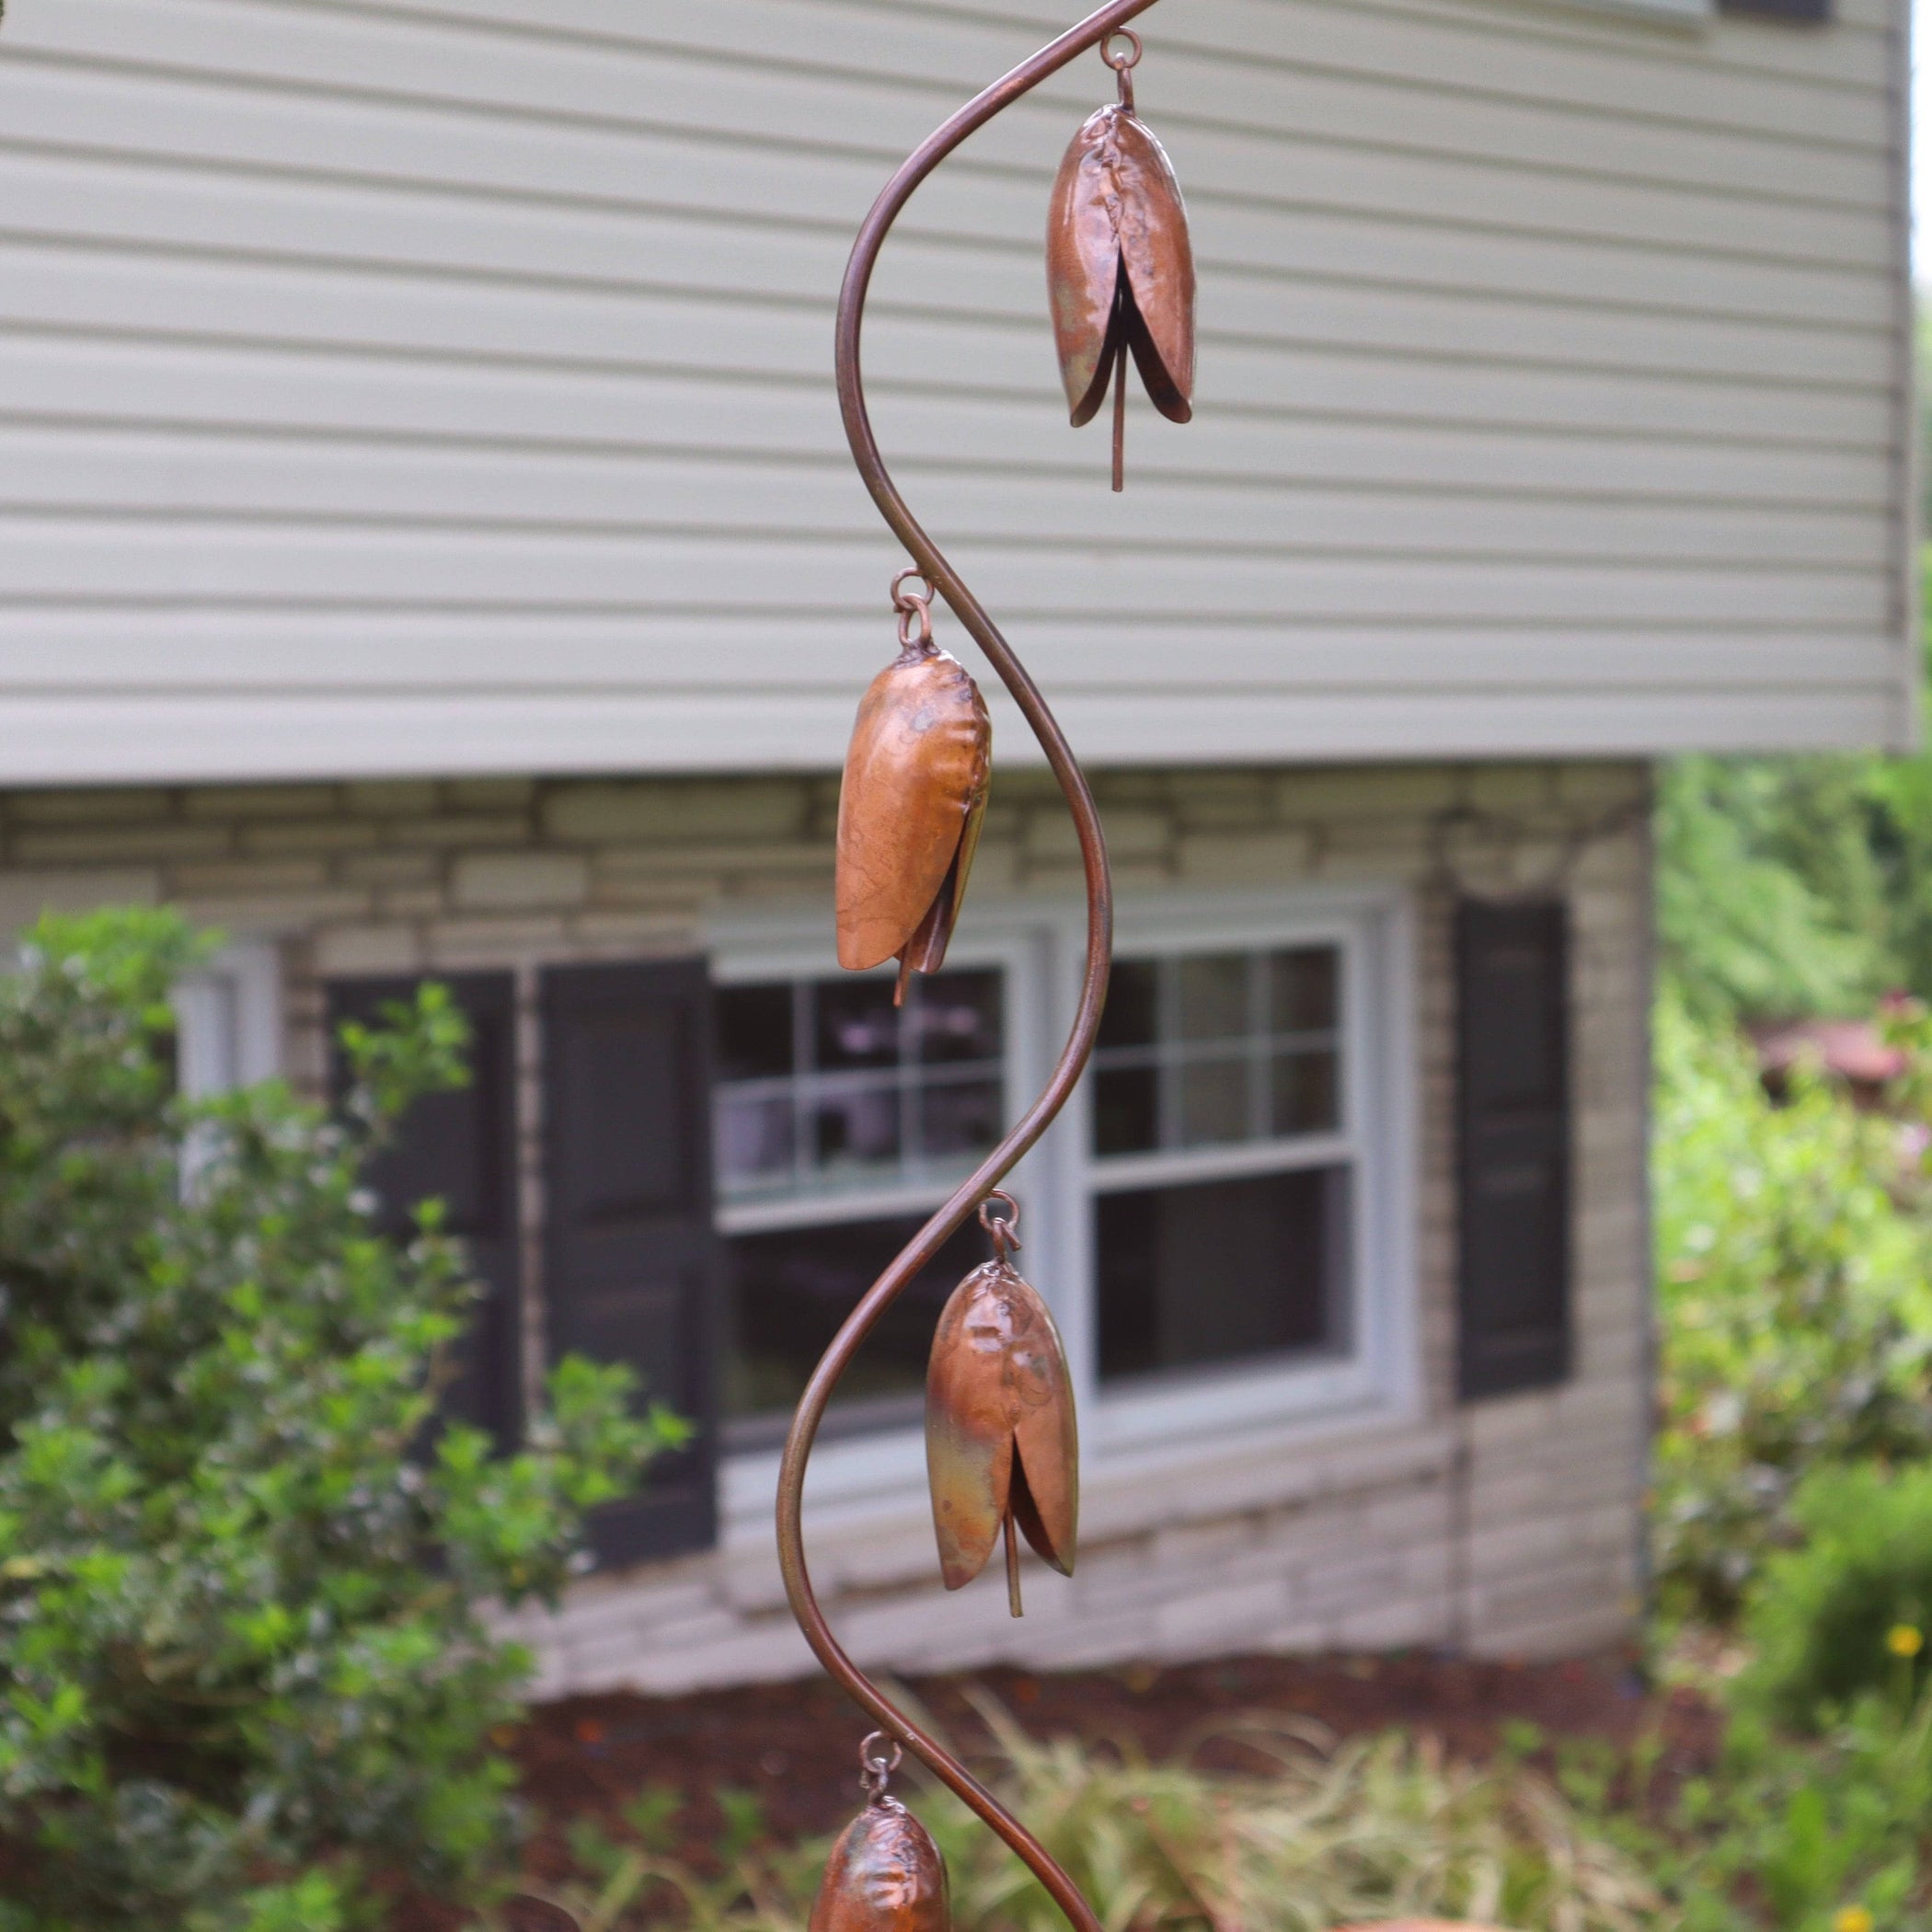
[926,1244]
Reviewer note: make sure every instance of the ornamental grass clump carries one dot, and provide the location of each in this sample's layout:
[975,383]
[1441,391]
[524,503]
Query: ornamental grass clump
[1311,1835]
[245,1685]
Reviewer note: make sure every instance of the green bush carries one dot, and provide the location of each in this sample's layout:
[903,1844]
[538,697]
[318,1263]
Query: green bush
[1795,1284]
[1844,1612]
[245,1681]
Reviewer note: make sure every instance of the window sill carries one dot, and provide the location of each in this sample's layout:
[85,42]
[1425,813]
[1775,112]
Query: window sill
[1213,1445]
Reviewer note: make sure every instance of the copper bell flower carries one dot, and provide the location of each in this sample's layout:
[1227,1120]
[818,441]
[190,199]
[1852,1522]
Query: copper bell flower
[1120,267]
[885,1873]
[1002,1448]
[909,809]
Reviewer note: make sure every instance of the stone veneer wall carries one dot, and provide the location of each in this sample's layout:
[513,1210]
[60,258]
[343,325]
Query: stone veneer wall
[1510,1527]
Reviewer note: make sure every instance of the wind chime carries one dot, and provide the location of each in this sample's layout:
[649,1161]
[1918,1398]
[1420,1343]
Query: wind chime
[1002,1449]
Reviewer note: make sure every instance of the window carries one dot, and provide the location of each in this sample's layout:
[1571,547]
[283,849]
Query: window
[1221,1172]
[840,1122]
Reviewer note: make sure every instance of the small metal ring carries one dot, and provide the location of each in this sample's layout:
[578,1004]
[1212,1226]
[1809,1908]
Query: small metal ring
[1002,1227]
[904,600]
[875,1773]
[1122,62]
[915,627]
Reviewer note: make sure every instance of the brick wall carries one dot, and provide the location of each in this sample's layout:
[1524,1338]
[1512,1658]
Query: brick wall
[1507,1527]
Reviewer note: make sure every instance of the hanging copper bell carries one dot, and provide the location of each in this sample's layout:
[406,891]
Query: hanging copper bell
[1120,265]
[1002,1446]
[885,1873]
[912,803]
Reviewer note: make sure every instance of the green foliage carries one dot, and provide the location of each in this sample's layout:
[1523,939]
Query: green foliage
[245,1683]
[1845,1613]
[1799,885]
[1795,1264]
[1784,1835]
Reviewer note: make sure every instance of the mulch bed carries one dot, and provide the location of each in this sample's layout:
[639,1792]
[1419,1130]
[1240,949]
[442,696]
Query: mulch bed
[796,1744]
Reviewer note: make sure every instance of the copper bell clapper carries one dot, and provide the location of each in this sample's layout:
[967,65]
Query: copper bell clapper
[913,800]
[1001,1448]
[885,1873]
[1120,265]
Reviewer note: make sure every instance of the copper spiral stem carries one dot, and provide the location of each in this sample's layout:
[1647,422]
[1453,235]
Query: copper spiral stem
[926,555]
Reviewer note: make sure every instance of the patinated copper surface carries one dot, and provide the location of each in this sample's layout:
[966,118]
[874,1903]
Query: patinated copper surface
[1120,266]
[1002,1447]
[909,809]
[885,1874]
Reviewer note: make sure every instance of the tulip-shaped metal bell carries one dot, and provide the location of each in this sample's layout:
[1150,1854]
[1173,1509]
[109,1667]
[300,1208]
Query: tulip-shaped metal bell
[885,1873]
[1120,265]
[1002,1449]
[909,808]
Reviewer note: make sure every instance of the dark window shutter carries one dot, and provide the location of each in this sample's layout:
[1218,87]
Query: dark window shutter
[630,1264]
[460,1147]
[1513,1050]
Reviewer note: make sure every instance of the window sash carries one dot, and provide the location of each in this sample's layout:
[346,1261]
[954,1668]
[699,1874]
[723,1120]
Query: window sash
[1042,946]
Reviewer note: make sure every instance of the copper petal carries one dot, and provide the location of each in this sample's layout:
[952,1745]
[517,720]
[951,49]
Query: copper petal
[1116,205]
[909,811]
[1000,1432]
[885,1874]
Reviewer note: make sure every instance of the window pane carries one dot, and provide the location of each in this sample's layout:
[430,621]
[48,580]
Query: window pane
[956,1017]
[960,1117]
[787,1291]
[859,1126]
[754,1142]
[1213,1102]
[858,1024]
[1221,1272]
[1305,1093]
[1303,989]
[1126,1115]
[1213,996]
[755,1031]
[1133,1003]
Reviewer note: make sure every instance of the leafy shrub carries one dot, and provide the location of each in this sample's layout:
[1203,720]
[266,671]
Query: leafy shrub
[1844,1612]
[1795,1272]
[245,1683]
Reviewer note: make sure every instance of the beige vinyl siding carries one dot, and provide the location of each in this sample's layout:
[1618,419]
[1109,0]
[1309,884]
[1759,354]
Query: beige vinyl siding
[397,387]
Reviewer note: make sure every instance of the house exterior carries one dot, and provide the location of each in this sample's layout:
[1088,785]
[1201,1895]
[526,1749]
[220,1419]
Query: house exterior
[427,547]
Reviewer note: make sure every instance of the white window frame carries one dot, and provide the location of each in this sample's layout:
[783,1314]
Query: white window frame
[1040,943]
[228,1020]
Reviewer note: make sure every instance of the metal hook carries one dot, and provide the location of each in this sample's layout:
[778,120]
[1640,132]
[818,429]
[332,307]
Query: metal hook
[1123,64]
[1006,1241]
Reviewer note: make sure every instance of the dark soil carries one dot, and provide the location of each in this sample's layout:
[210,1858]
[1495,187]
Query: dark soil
[796,1746]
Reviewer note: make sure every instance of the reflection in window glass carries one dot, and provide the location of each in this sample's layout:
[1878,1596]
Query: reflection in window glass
[1221,1270]
[787,1291]
[1217,1049]
[825,1085]
[825,1088]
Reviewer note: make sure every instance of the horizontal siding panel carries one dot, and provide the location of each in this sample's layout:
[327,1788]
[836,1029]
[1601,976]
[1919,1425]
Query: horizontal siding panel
[1237,54]
[747,654]
[217,561]
[228,480]
[1252,251]
[82,289]
[145,739]
[388,384]
[446,62]
[387,145]
[492,404]
[1253,298]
